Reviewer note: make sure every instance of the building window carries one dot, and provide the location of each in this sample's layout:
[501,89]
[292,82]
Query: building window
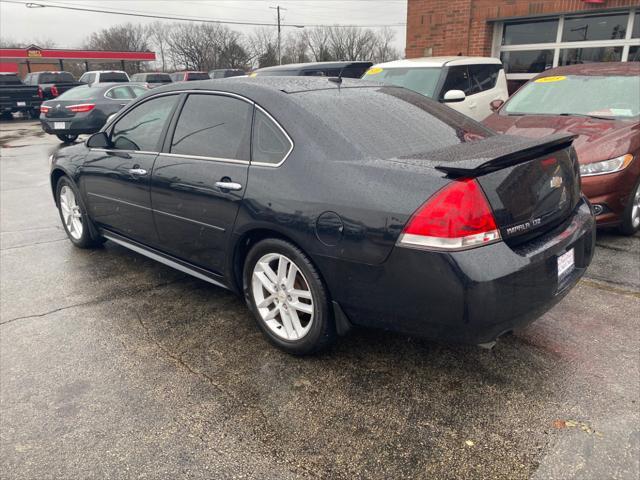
[601,27]
[530,46]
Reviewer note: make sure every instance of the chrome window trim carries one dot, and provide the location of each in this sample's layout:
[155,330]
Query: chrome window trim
[114,150]
[199,157]
[291,144]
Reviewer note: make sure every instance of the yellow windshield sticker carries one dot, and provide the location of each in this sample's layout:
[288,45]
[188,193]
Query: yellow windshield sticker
[253,74]
[551,79]
[373,71]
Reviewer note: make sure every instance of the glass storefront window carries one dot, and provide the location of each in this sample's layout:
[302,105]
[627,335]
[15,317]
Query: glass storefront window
[528,61]
[518,33]
[571,56]
[635,33]
[601,27]
[634,54]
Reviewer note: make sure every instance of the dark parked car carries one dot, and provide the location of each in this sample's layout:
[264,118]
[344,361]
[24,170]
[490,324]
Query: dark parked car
[189,76]
[151,80]
[226,73]
[85,109]
[600,104]
[315,69]
[422,221]
[51,84]
[15,96]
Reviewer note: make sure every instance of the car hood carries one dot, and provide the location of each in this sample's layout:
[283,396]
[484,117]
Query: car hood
[596,139]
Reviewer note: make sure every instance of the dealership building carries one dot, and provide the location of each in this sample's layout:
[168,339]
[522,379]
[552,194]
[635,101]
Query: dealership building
[528,36]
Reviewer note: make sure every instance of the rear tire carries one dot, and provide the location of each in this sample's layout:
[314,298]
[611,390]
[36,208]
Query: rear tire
[66,138]
[288,298]
[74,217]
[631,216]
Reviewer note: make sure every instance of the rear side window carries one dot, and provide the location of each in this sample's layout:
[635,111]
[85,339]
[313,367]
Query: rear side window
[483,77]
[119,93]
[83,92]
[270,144]
[213,126]
[58,77]
[137,90]
[457,79]
[140,129]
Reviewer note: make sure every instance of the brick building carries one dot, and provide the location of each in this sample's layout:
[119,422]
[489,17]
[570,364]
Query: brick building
[529,36]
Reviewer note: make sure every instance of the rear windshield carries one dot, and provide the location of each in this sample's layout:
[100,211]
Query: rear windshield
[390,122]
[158,78]
[83,92]
[599,96]
[110,77]
[58,77]
[421,80]
[197,76]
[10,80]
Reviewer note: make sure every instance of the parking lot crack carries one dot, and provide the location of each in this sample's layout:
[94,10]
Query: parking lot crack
[32,244]
[609,286]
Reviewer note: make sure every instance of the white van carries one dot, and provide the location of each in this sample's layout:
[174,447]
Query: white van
[466,84]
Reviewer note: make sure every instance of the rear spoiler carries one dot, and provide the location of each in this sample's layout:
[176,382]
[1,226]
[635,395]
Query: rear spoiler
[501,151]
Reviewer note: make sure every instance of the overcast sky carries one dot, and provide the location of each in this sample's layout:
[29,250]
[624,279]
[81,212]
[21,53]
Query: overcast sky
[68,29]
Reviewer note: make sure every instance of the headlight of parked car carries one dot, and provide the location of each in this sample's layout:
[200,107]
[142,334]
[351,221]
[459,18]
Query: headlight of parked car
[606,166]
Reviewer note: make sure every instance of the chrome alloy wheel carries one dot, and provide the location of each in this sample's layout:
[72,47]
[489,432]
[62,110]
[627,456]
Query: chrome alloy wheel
[635,208]
[71,212]
[282,296]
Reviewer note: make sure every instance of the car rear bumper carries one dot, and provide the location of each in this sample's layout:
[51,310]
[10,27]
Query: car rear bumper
[14,107]
[471,296]
[73,126]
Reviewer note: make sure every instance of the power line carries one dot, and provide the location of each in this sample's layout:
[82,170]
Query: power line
[140,14]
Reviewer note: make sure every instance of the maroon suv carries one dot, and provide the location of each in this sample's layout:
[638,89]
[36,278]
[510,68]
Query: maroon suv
[600,104]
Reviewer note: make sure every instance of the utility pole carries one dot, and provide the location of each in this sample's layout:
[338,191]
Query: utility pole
[279,35]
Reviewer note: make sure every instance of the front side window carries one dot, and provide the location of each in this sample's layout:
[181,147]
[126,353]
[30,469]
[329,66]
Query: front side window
[600,27]
[140,129]
[213,126]
[270,144]
[421,80]
[483,77]
[610,96]
[457,79]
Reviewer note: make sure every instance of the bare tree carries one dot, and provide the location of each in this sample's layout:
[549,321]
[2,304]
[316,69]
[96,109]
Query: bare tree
[263,47]
[6,42]
[295,48]
[158,33]
[318,41]
[127,37]
[383,50]
[351,43]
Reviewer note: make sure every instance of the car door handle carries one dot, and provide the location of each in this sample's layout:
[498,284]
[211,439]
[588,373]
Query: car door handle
[228,185]
[137,171]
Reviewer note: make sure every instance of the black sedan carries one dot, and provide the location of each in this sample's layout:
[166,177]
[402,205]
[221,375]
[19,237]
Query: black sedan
[329,203]
[85,109]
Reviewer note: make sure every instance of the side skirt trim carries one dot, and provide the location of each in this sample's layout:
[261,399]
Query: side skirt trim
[161,258]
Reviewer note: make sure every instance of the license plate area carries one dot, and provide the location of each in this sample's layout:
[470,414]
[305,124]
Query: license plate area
[21,104]
[566,264]
[59,125]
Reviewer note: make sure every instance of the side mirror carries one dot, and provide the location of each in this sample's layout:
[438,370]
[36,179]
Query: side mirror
[453,96]
[495,105]
[99,140]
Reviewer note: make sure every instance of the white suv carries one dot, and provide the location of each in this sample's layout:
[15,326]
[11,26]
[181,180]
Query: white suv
[466,84]
[104,76]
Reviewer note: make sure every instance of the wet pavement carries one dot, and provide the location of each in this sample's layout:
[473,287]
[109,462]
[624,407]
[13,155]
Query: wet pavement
[114,366]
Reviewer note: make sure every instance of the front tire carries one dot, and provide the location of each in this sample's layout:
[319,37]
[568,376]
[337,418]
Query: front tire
[287,297]
[66,138]
[631,216]
[73,215]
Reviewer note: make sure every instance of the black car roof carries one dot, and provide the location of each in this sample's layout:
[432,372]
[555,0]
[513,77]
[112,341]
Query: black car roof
[260,85]
[311,65]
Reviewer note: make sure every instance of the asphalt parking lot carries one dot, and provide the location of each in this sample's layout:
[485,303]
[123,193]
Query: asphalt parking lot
[113,366]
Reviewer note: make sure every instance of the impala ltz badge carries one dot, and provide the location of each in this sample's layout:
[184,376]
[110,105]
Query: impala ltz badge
[523,227]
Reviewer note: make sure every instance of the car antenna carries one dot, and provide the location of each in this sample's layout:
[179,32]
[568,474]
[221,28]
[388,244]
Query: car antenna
[337,79]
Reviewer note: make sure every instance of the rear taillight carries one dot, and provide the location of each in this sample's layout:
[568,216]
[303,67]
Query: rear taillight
[54,91]
[82,107]
[44,109]
[40,93]
[455,218]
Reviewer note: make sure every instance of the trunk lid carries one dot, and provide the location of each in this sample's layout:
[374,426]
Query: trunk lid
[532,185]
[57,108]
